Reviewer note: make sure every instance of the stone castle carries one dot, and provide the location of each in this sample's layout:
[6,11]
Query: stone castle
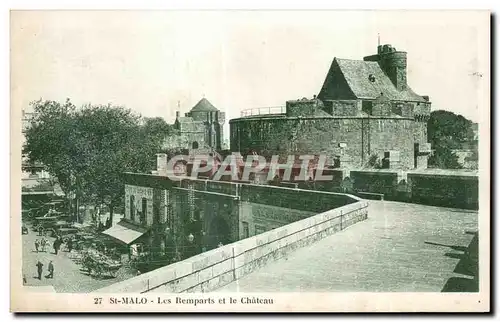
[201,129]
[364,113]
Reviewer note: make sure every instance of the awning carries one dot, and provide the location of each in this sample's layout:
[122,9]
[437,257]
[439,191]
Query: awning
[82,226]
[125,234]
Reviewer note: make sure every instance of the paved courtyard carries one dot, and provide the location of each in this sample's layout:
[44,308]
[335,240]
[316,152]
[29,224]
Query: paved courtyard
[400,248]
[68,278]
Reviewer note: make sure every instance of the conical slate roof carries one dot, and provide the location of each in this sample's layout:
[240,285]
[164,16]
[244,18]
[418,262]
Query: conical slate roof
[204,106]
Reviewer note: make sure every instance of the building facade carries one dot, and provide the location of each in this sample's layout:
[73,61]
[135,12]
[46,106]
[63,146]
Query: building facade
[166,221]
[364,113]
[200,129]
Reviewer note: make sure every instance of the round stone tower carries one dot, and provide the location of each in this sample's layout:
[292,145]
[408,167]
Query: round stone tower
[393,63]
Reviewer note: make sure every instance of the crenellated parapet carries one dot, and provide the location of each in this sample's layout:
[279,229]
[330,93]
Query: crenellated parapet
[421,118]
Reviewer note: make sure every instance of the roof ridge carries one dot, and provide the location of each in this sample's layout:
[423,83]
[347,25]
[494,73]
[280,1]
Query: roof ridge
[358,60]
[204,105]
[356,74]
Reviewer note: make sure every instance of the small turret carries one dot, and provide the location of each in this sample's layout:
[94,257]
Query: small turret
[393,63]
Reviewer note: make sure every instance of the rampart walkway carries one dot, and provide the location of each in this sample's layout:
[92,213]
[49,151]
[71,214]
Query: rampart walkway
[400,248]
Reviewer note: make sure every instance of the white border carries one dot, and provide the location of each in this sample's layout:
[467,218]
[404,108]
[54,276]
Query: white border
[127,4]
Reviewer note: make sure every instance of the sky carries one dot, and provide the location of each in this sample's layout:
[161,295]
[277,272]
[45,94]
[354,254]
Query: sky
[154,61]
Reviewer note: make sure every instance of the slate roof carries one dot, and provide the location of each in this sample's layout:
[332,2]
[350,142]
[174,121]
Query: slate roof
[357,75]
[204,106]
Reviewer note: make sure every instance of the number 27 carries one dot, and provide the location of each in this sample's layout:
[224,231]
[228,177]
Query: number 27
[97,300]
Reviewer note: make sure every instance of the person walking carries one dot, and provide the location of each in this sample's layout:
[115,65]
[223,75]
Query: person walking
[70,244]
[37,243]
[57,244]
[43,243]
[51,270]
[39,266]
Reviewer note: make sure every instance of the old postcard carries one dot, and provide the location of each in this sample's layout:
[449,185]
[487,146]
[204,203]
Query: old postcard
[237,161]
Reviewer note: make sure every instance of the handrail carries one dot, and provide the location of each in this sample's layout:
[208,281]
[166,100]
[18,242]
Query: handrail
[264,111]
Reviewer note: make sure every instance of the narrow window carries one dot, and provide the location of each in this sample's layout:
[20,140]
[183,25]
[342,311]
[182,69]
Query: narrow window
[246,231]
[144,210]
[156,213]
[132,208]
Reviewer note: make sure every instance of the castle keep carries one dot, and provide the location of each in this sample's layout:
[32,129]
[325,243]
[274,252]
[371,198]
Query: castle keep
[365,113]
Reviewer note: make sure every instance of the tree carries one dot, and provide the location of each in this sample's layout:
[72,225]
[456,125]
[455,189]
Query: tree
[450,128]
[444,158]
[448,131]
[51,140]
[88,149]
[111,134]
[157,127]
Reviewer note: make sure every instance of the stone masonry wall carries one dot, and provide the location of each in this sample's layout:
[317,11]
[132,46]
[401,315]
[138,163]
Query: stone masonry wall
[213,269]
[436,188]
[260,218]
[363,136]
[297,199]
[444,190]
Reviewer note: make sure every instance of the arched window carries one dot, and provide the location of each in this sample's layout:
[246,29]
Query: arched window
[195,145]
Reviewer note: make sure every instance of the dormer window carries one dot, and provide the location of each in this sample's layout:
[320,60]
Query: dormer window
[371,78]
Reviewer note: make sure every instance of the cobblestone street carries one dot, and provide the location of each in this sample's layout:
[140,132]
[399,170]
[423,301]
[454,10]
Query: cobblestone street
[402,247]
[68,278]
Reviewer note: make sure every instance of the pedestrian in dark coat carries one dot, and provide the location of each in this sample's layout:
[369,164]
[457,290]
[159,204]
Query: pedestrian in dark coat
[57,245]
[51,270]
[70,244]
[39,266]
[37,243]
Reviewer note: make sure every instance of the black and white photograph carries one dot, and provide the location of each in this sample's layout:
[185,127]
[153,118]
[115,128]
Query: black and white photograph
[183,160]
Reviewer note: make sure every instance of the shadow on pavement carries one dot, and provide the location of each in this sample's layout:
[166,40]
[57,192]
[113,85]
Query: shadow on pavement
[460,284]
[468,265]
[459,248]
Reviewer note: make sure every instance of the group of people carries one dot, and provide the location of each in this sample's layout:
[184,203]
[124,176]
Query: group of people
[40,244]
[39,266]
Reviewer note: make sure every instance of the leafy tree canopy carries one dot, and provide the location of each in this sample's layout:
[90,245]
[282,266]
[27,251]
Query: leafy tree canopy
[447,131]
[88,148]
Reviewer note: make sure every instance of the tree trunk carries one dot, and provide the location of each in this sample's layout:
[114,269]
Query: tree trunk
[111,207]
[77,210]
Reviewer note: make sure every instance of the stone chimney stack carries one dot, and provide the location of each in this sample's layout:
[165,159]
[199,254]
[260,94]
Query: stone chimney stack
[161,164]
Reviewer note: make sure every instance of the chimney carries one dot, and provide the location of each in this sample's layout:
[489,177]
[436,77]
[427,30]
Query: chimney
[177,115]
[161,164]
